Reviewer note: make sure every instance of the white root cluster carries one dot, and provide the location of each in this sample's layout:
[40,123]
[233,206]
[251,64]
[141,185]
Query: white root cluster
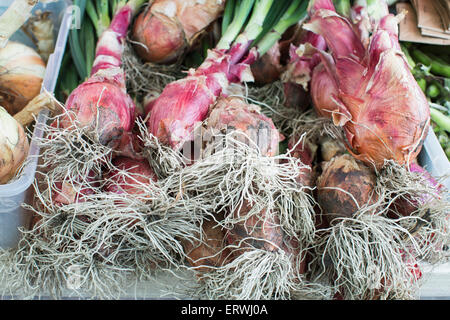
[363,258]
[430,222]
[106,237]
[71,152]
[254,275]
[232,174]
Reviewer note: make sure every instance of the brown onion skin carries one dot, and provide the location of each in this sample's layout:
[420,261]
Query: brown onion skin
[211,252]
[167,29]
[268,68]
[350,175]
[260,231]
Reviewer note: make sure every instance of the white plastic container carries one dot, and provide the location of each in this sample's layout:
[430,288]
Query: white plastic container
[12,195]
[434,160]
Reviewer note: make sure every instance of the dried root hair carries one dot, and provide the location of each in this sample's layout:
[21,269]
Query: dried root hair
[233,172]
[256,274]
[430,222]
[71,152]
[56,267]
[163,159]
[361,257]
[147,79]
[109,238]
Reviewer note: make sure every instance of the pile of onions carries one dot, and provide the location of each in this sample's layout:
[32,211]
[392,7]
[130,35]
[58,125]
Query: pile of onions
[22,71]
[14,146]
[99,114]
[167,29]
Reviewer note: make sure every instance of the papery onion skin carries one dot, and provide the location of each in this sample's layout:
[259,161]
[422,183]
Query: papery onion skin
[14,146]
[268,68]
[296,77]
[210,250]
[330,148]
[343,181]
[66,192]
[306,151]
[260,231]
[22,71]
[383,111]
[166,29]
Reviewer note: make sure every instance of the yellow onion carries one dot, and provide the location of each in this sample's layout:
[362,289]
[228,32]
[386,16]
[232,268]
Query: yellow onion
[166,29]
[21,73]
[13,146]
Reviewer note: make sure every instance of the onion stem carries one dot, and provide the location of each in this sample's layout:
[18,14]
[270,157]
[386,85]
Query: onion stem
[14,17]
[233,30]
[255,25]
[75,46]
[436,67]
[295,12]
[104,14]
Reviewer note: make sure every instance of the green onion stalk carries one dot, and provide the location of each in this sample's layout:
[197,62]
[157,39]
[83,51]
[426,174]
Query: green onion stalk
[436,65]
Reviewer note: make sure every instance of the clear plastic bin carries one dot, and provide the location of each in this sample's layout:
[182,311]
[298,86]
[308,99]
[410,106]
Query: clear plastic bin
[434,160]
[12,195]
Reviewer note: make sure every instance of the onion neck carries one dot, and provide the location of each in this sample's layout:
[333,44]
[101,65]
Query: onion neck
[110,45]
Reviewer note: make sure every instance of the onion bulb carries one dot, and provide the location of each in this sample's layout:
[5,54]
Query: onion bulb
[168,28]
[344,186]
[209,250]
[14,146]
[22,71]
[129,176]
[369,91]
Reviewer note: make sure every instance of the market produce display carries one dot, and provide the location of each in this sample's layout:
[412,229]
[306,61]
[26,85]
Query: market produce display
[253,149]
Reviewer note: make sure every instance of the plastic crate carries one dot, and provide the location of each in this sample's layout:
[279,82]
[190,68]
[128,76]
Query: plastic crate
[12,195]
[433,158]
